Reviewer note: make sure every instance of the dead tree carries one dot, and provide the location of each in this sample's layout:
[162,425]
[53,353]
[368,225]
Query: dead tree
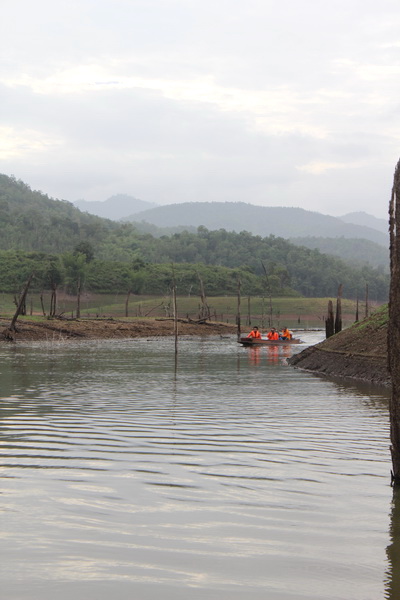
[205,312]
[357,310]
[127,303]
[269,291]
[338,318]
[42,304]
[330,322]
[393,340]
[9,332]
[53,300]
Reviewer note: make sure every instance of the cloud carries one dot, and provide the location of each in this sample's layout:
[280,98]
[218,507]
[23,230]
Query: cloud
[291,104]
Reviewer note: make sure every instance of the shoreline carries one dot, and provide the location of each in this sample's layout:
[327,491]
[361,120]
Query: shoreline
[357,353]
[345,365]
[84,328]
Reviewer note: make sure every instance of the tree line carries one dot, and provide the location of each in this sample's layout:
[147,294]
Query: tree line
[47,236]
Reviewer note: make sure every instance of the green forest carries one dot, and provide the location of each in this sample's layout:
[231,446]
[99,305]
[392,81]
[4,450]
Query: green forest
[68,249]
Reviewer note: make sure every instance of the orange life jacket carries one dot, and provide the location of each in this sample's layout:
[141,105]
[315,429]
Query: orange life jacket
[286,334]
[273,335]
[254,334]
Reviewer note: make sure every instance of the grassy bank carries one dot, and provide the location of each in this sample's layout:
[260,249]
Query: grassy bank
[293,312]
[359,352]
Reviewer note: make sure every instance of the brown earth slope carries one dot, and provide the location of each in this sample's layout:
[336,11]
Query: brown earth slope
[359,352]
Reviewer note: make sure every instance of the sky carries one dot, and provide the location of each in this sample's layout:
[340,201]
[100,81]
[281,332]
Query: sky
[273,103]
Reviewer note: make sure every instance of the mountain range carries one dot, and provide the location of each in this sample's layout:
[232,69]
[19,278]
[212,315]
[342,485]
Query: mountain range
[357,237]
[238,216]
[286,222]
[116,207]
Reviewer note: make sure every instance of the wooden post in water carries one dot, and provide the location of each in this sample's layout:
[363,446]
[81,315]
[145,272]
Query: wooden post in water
[329,323]
[175,312]
[338,319]
[175,318]
[393,340]
[238,310]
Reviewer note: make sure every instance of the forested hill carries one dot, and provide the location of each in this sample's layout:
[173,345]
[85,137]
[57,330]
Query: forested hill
[260,220]
[356,252]
[31,222]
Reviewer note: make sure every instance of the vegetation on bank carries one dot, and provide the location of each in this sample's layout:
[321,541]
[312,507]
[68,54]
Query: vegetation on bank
[68,249]
[295,312]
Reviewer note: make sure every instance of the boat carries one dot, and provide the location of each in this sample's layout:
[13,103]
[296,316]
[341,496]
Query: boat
[246,341]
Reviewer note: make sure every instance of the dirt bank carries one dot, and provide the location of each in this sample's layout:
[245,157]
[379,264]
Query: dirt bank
[359,352]
[56,329]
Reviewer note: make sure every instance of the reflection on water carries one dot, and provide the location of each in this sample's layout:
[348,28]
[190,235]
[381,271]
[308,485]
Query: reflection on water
[226,475]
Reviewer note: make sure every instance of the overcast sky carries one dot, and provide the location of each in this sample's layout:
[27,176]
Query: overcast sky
[276,103]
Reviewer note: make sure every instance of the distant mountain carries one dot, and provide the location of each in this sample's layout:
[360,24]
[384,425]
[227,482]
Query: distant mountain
[357,252]
[366,220]
[260,220]
[116,207]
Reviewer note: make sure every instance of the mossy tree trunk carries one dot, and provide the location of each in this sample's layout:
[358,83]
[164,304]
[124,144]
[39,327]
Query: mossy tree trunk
[394,324]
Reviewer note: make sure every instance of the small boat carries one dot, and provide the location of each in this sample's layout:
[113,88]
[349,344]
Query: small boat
[246,341]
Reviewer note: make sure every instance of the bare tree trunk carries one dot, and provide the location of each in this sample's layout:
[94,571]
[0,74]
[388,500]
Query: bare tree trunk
[42,305]
[330,323]
[262,313]
[205,309]
[53,301]
[338,319]
[357,309]
[78,299]
[366,301]
[393,341]
[21,303]
[269,293]
[127,303]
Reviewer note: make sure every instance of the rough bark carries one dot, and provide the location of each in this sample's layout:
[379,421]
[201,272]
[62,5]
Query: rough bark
[329,323]
[338,319]
[9,333]
[393,339]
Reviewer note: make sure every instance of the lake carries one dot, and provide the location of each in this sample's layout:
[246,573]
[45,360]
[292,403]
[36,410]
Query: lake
[225,475]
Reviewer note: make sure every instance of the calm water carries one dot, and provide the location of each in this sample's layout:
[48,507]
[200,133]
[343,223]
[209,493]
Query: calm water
[228,476]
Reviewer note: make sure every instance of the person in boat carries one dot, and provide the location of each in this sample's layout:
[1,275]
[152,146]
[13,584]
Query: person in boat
[273,334]
[254,333]
[285,334]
